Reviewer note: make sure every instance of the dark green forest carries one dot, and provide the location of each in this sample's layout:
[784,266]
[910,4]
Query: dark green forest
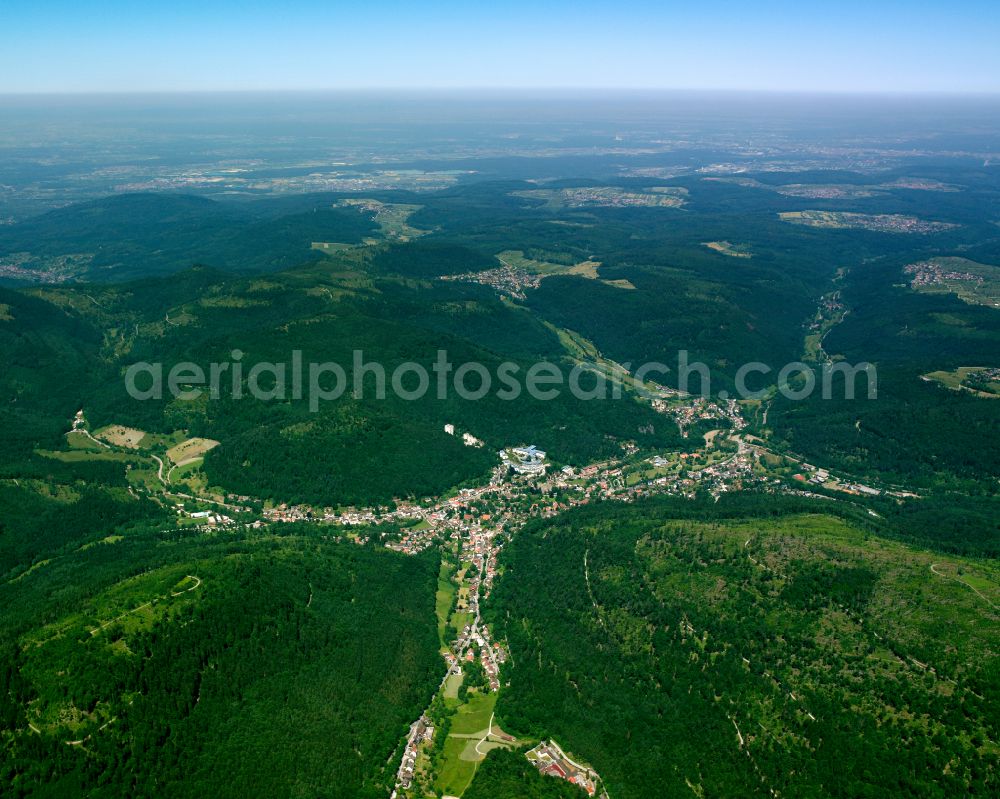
[293,667]
[507,774]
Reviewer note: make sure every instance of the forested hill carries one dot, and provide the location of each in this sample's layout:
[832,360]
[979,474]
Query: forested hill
[743,650]
[277,665]
[70,346]
[129,236]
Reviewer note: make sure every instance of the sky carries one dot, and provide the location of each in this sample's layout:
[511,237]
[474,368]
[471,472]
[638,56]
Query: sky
[189,45]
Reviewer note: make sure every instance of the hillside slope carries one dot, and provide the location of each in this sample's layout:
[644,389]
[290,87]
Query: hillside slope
[742,650]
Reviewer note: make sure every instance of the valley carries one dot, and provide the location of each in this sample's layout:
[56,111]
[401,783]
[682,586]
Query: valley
[274,564]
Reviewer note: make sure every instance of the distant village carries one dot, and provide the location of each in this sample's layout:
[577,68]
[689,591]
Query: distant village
[932,273]
[504,279]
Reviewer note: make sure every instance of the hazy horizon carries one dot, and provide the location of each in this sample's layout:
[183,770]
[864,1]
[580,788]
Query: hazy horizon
[567,91]
[54,46]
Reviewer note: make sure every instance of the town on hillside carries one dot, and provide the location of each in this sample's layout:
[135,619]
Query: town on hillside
[471,525]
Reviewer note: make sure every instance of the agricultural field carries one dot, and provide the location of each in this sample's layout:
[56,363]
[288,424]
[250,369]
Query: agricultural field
[826,192]
[920,184]
[815,191]
[121,436]
[606,197]
[840,191]
[881,223]
[330,247]
[230,302]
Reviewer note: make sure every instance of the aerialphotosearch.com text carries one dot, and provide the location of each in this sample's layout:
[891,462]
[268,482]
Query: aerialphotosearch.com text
[321,381]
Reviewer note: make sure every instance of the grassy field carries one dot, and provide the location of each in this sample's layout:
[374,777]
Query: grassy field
[77,439]
[191,448]
[330,246]
[583,351]
[474,716]
[727,248]
[812,346]
[183,457]
[77,455]
[446,590]
[146,477]
[189,475]
[460,619]
[163,440]
[451,686]
[575,344]
[587,269]
[469,726]
[552,264]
